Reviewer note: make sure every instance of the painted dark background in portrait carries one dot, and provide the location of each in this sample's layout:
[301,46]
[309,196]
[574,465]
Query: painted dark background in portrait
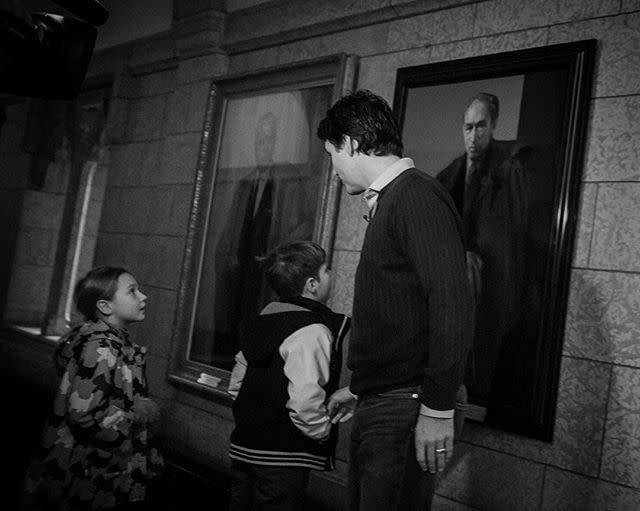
[512,215]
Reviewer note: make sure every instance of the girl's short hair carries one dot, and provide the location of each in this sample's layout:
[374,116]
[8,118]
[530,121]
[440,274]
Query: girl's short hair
[101,283]
[288,266]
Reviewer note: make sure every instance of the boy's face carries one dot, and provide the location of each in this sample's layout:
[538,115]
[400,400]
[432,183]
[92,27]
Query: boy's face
[128,304]
[324,284]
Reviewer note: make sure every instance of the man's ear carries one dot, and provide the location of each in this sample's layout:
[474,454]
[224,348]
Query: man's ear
[104,306]
[352,144]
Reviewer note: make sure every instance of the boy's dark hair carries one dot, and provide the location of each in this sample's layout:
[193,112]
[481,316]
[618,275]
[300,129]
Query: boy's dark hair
[288,266]
[365,117]
[101,283]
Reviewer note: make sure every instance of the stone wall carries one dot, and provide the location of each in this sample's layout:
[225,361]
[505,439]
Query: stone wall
[160,90]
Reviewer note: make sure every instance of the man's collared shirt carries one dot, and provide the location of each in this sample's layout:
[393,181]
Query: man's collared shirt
[392,172]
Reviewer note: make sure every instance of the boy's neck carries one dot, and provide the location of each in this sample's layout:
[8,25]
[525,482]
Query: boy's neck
[310,296]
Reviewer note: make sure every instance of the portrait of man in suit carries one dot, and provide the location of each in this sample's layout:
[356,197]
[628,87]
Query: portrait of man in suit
[266,188]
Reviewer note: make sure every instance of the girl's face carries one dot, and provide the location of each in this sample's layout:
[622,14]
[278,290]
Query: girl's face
[128,304]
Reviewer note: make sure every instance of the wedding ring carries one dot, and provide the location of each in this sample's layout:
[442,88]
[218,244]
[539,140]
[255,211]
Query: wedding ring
[441,450]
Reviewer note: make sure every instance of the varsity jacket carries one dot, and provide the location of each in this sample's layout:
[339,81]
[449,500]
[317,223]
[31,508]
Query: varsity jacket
[288,365]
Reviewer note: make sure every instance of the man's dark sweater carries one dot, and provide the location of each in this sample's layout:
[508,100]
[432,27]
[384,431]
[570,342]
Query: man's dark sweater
[412,311]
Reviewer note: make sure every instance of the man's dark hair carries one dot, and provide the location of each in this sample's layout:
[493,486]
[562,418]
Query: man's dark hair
[101,283]
[492,103]
[288,266]
[364,117]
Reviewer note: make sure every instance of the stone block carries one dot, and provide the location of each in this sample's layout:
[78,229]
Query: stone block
[476,477]
[146,118]
[584,231]
[630,5]
[253,60]
[617,70]
[168,209]
[29,289]
[343,272]
[511,15]
[187,108]
[613,145]
[566,491]
[36,247]
[616,239]
[155,331]
[370,40]
[41,209]
[488,45]
[621,448]
[580,413]
[117,120]
[157,259]
[14,170]
[603,317]
[432,28]
[179,159]
[563,11]
[351,224]
[206,67]
[378,73]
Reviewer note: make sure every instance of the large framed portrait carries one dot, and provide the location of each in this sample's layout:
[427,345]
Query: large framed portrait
[504,134]
[262,179]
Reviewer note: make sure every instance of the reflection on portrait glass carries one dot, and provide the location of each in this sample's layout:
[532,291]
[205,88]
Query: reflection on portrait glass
[268,179]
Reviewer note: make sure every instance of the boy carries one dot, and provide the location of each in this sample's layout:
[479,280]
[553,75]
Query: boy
[288,364]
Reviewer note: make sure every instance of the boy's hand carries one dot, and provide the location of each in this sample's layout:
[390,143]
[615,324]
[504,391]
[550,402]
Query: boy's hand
[146,411]
[341,405]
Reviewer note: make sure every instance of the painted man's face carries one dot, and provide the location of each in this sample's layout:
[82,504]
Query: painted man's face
[477,130]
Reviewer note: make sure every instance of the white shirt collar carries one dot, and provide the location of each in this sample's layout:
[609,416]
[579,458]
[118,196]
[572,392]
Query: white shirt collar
[392,172]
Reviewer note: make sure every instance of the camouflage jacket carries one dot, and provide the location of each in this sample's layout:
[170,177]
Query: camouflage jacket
[93,454]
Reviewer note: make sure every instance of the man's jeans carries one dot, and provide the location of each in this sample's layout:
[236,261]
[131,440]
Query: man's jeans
[383,473]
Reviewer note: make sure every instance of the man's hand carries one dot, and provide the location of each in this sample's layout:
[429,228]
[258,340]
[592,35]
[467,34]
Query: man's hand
[341,405]
[434,443]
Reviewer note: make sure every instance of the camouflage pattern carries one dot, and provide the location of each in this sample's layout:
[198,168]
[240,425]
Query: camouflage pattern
[94,455]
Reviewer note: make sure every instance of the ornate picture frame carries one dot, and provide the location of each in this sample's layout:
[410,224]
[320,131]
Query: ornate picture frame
[262,177]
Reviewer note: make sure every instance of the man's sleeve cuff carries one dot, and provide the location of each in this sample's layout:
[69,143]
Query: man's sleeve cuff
[436,414]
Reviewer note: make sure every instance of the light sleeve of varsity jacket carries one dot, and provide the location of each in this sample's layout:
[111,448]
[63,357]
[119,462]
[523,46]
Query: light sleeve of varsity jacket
[237,374]
[306,354]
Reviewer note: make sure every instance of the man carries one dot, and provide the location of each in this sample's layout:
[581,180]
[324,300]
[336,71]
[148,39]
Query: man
[488,186]
[412,312]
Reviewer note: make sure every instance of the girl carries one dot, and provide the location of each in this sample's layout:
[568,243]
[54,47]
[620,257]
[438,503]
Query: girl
[94,453]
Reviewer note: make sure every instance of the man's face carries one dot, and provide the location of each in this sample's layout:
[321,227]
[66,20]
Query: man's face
[343,163]
[477,130]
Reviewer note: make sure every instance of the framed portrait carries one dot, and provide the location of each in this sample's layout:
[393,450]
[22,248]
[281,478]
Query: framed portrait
[504,134]
[262,178]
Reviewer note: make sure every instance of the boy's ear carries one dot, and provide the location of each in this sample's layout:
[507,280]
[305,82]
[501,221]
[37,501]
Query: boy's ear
[310,285]
[104,306]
